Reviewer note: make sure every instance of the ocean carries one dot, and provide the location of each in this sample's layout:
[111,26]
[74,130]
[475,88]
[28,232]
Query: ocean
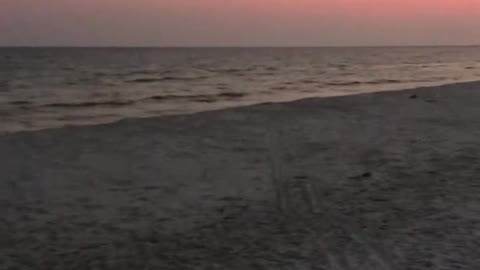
[55,87]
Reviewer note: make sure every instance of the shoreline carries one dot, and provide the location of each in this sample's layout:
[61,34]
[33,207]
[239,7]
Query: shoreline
[160,117]
[384,180]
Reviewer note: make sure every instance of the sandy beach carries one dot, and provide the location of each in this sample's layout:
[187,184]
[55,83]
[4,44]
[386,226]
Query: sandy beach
[373,181]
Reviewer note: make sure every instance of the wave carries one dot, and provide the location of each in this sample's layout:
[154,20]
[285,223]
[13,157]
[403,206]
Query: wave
[115,103]
[383,81]
[91,104]
[200,98]
[20,102]
[146,80]
[278,88]
[166,97]
[344,83]
[309,81]
[240,72]
[350,83]
[140,72]
[223,87]
[166,78]
[231,95]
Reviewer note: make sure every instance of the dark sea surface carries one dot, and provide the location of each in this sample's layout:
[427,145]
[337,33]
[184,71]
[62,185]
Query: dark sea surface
[54,87]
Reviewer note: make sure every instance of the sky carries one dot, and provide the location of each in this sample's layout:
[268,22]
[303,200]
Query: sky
[239,22]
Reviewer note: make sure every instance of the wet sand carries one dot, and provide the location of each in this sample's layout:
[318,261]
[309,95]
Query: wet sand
[372,181]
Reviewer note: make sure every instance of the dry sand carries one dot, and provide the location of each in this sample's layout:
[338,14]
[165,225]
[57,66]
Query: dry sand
[373,181]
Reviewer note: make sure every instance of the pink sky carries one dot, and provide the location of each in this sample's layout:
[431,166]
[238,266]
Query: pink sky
[239,22]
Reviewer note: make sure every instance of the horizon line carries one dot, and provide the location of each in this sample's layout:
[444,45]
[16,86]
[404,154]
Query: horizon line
[230,46]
